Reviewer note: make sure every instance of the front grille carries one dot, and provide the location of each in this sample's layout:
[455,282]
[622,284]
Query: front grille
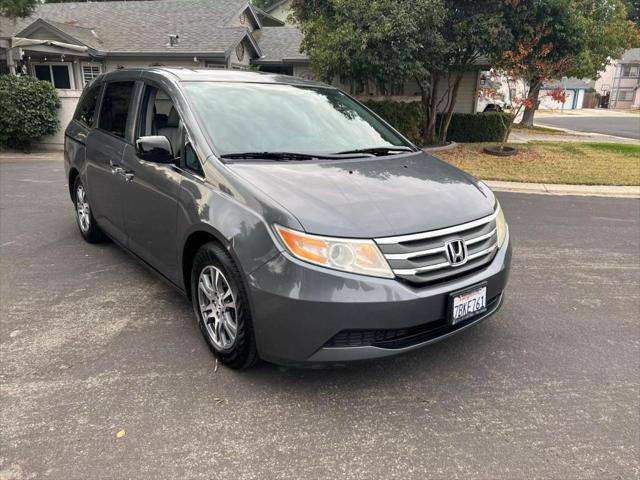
[394,338]
[421,257]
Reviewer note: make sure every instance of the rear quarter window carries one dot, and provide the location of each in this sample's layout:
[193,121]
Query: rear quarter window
[86,111]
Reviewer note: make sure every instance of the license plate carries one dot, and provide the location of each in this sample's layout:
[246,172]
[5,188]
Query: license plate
[468,303]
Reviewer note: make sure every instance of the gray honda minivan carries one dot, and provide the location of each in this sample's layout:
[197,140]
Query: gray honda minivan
[302,227]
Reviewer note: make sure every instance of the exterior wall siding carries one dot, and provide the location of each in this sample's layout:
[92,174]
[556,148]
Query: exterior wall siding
[467,93]
[43,34]
[249,21]
[68,101]
[548,103]
[235,61]
[465,102]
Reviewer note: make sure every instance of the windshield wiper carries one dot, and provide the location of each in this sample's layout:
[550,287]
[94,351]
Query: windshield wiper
[284,156]
[378,150]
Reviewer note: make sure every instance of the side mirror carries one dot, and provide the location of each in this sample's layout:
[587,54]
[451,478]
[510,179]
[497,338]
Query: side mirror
[155,148]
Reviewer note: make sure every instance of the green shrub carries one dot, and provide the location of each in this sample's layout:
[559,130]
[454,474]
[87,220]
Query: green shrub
[407,117]
[478,127]
[28,110]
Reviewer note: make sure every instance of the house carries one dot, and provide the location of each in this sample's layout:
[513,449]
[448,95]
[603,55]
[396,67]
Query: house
[575,90]
[502,92]
[280,9]
[282,46]
[69,44]
[620,81]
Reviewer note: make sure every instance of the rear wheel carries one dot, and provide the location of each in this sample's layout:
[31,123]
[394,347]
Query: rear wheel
[86,223]
[222,308]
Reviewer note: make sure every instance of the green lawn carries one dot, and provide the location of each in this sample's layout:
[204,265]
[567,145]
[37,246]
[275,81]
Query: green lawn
[553,162]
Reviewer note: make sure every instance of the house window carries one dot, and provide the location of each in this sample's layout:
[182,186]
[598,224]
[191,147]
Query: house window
[629,71]
[59,74]
[240,51]
[624,95]
[89,73]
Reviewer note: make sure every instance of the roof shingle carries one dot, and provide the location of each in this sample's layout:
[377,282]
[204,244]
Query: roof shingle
[142,26]
[280,43]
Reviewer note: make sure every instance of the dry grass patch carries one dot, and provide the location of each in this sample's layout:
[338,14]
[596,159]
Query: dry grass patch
[553,162]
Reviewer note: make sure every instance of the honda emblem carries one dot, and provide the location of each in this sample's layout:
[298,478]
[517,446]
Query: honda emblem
[456,251]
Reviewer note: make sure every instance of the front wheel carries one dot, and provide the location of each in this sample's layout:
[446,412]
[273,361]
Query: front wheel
[86,223]
[222,308]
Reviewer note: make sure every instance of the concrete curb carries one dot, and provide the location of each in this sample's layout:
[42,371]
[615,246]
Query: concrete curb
[563,189]
[578,133]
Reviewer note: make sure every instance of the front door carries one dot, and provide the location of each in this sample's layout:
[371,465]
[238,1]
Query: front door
[105,148]
[151,194]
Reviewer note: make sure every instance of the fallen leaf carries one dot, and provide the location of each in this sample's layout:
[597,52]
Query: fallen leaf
[120,434]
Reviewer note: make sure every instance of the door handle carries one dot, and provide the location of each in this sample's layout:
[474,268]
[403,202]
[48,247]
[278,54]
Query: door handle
[116,169]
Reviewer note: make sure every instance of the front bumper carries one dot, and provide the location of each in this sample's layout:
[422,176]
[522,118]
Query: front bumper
[304,314]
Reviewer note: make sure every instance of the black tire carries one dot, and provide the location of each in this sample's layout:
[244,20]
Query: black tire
[88,227]
[242,353]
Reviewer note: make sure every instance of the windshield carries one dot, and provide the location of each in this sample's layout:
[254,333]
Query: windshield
[256,117]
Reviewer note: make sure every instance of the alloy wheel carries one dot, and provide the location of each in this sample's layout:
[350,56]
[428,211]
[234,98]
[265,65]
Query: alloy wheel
[217,307]
[82,209]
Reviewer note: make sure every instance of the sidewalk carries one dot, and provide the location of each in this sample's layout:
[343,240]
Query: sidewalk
[588,112]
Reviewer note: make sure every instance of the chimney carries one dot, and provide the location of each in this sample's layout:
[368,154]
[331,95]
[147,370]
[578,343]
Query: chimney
[173,40]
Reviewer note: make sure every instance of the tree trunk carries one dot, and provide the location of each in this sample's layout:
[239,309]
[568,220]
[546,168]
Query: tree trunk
[429,107]
[529,112]
[444,128]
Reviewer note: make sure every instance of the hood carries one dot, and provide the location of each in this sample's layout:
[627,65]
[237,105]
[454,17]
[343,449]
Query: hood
[371,197]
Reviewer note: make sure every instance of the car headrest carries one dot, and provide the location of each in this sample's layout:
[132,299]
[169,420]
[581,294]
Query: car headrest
[173,119]
[160,120]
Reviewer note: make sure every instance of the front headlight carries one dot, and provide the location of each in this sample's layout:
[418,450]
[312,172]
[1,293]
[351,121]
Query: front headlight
[501,226]
[356,256]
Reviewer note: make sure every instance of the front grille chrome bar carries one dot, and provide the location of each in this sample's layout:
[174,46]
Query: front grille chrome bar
[481,238]
[438,266]
[437,233]
[407,256]
[432,251]
[422,257]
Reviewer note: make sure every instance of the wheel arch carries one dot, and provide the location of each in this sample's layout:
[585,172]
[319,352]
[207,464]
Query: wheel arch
[73,174]
[199,236]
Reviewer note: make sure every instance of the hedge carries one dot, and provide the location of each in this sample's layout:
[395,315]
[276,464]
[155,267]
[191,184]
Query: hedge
[29,110]
[464,127]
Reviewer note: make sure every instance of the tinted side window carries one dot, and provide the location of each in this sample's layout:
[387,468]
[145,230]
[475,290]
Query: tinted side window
[191,160]
[87,109]
[115,107]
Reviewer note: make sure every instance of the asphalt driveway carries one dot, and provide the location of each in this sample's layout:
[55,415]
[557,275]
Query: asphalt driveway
[627,126]
[92,344]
